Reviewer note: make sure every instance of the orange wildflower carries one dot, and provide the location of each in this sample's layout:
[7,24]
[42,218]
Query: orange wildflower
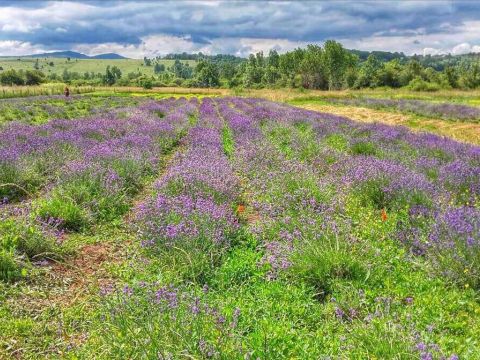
[384,215]
[240,208]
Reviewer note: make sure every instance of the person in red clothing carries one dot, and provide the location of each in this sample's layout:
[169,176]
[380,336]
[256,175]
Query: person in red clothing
[67,92]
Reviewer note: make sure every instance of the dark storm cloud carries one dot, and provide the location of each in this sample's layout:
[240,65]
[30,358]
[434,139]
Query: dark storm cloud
[59,25]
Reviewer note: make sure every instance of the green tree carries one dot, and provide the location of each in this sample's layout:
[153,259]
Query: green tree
[273,59]
[253,72]
[368,73]
[145,82]
[469,74]
[207,74]
[227,70]
[336,61]
[451,75]
[312,68]
[412,70]
[289,64]
[66,76]
[181,70]
[34,77]
[389,74]
[111,75]
[158,68]
[12,77]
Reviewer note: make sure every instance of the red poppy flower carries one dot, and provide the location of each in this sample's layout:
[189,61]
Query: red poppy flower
[384,215]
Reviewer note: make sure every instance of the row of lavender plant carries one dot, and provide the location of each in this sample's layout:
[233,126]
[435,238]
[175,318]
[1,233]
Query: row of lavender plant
[436,181]
[306,227]
[447,111]
[188,224]
[285,192]
[88,171]
[201,182]
[33,156]
[41,109]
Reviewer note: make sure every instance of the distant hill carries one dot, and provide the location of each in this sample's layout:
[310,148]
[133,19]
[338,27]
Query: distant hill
[74,55]
[111,56]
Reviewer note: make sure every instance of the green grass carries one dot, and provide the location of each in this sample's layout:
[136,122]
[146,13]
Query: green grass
[83,65]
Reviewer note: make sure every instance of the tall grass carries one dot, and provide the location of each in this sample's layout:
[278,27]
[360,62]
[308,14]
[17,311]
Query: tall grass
[47,89]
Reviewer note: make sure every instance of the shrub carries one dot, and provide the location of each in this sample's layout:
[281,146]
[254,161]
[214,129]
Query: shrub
[9,268]
[364,148]
[417,84]
[321,264]
[62,212]
[337,142]
[12,77]
[240,267]
[20,241]
[145,82]
[383,194]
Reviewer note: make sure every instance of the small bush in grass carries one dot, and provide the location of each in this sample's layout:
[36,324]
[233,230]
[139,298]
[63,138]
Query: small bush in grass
[63,212]
[240,266]
[19,180]
[21,241]
[228,141]
[103,192]
[9,176]
[337,141]
[380,194]
[166,144]
[128,174]
[321,264]
[32,171]
[371,193]
[364,148]
[9,268]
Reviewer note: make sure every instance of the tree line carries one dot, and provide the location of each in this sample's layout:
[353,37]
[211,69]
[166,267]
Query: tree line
[327,67]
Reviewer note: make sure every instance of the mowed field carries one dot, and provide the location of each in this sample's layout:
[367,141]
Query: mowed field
[83,65]
[145,225]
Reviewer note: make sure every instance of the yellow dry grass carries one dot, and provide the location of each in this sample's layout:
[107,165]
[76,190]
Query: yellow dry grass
[461,131]
[470,97]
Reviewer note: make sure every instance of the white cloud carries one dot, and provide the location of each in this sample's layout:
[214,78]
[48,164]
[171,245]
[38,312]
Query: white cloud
[456,41]
[431,51]
[19,48]
[465,48]
[151,46]
[158,45]
[17,19]
[146,28]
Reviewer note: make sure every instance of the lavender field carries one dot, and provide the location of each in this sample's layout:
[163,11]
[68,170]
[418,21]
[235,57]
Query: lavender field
[236,228]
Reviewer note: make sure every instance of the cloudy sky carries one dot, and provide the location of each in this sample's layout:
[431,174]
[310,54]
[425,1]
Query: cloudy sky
[147,28]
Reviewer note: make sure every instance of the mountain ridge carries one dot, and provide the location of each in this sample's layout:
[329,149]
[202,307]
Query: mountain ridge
[72,55]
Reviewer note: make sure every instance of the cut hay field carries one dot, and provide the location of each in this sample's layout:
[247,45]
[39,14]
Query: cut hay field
[234,227]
